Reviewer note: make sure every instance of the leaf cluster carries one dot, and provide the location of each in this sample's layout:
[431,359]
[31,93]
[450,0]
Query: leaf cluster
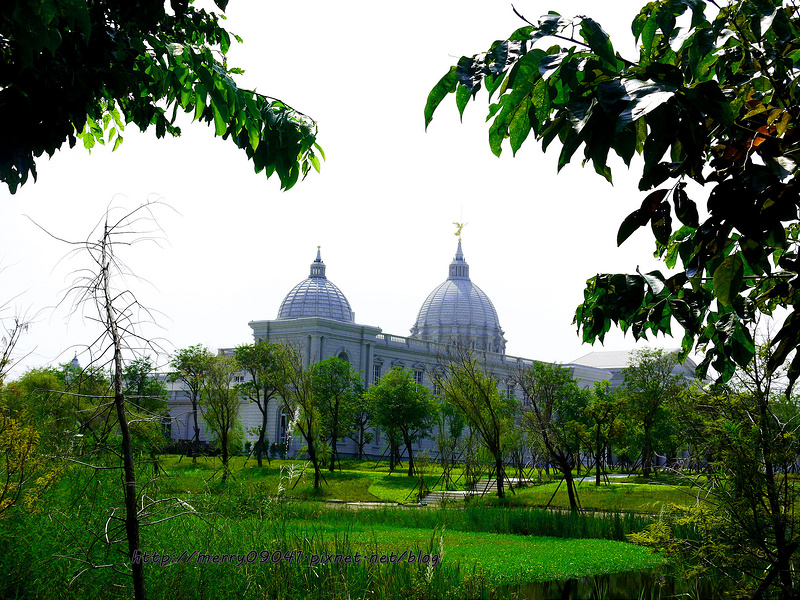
[337,392]
[710,99]
[83,70]
[400,405]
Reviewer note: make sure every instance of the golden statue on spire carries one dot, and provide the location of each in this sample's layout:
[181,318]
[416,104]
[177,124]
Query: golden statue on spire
[459,227]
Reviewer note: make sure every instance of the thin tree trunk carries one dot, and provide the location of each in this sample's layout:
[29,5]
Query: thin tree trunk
[131,514]
[573,500]
[598,458]
[782,560]
[312,455]
[196,440]
[407,439]
[647,452]
[224,442]
[499,473]
[334,454]
[262,434]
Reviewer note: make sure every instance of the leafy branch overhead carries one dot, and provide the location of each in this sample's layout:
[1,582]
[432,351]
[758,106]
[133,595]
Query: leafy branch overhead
[83,70]
[712,98]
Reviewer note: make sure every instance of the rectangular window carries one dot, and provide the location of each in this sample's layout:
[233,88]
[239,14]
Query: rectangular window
[418,377]
[376,373]
[282,431]
[437,391]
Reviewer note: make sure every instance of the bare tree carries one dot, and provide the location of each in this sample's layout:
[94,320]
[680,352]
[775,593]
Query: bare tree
[11,330]
[101,291]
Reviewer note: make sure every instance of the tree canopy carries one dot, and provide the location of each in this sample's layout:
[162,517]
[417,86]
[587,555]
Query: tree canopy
[490,413]
[648,386]
[83,70]
[711,99]
[402,409]
[262,361]
[337,394]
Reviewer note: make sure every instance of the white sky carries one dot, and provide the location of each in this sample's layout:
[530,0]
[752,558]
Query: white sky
[382,208]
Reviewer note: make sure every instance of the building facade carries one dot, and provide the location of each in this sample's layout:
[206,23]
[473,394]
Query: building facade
[316,317]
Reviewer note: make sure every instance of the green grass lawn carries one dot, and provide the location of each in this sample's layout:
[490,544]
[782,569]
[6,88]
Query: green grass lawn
[507,558]
[480,545]
[362,481]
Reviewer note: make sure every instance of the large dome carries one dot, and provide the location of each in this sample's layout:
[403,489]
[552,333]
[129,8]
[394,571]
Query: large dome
[316,297]
[459,311]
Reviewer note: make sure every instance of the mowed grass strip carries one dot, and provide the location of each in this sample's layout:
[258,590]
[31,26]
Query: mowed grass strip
[612,496]
[365,484]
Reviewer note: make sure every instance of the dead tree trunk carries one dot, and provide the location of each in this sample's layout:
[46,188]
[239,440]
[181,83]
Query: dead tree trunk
[131,514]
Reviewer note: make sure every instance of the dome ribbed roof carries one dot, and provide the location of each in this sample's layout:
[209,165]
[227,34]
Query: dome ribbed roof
[316,297]
[458,310]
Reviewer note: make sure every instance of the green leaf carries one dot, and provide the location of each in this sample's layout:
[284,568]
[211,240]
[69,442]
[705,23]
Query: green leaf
[599,42]
[462,98]
[520,125]
[571,143]
[685,209]
[253,134]
[200,100]
[446,85]
[220,125]
[728,277]
[661,223]
[631,223]
[655,281]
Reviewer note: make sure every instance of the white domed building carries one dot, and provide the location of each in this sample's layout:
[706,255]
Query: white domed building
[317,317]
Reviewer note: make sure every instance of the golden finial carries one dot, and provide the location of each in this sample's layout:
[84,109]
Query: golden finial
[459,227]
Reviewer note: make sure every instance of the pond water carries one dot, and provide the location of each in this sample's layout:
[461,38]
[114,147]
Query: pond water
[661,584]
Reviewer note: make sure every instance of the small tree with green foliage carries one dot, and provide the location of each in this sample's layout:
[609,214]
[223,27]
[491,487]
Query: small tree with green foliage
[221,406]
[189,366]
[337,394]
[360,434]
[604,423]
[296,391]
[402,409]
[745,521]
[489,413]
[648,385]
[262,362]
[148,394]
[450,427]
[553,414]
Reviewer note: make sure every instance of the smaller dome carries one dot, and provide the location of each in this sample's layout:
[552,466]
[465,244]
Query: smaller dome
[316,297]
